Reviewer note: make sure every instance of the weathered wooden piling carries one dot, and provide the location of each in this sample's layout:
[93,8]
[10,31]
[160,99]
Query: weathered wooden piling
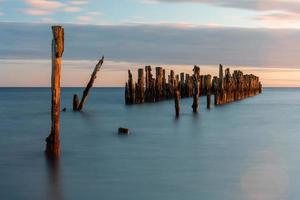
[150,85]
[159,84]
[141,86]
[53,140]
[208,89]
[196,88]
[131,88]
[177,102]
[90,84]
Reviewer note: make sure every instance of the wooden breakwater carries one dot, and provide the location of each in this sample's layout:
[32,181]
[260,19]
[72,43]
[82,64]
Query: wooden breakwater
[226,88]
[150,89]
[235,87]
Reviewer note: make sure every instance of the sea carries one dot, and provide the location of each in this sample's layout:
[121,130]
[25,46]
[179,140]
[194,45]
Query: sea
[245,150]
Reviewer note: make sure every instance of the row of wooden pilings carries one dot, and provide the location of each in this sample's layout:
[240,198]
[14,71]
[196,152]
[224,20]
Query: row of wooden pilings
[226,88]
[149,89]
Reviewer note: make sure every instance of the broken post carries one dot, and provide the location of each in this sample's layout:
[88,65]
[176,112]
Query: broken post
[177,102]
[53,141]
[90,84]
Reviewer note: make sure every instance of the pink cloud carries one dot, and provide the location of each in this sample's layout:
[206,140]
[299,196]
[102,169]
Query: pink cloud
[72,9]
[84,19]
[44,4]
[37,12]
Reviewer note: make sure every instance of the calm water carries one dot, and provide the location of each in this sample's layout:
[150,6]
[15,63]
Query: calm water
[245,150]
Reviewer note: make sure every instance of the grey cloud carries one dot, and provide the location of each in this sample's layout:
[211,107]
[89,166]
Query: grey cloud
[156,44]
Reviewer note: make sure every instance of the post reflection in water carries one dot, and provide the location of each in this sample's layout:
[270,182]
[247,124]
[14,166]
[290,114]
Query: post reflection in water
[54,182]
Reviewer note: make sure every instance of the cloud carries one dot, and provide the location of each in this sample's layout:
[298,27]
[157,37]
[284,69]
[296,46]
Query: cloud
[279,19]
[84,19]
[88,17]
[72,9]
[157,44]
[1,13]
[257,5]
[37,12]
[44,4]
[78,2]
[47,7]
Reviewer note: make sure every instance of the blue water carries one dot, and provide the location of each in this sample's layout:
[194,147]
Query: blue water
[244,150]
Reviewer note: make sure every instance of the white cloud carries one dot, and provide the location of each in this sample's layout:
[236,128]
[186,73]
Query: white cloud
[1,13]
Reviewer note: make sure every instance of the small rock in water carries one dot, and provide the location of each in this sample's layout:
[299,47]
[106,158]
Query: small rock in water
[123,131]
[64,109]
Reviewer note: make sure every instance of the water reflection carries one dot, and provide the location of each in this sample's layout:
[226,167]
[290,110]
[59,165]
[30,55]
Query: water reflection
[54,182]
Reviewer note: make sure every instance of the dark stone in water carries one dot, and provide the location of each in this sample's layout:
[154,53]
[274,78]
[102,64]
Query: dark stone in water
[123,131]
[64,109]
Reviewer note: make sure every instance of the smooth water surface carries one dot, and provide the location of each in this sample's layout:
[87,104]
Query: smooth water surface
[244,150]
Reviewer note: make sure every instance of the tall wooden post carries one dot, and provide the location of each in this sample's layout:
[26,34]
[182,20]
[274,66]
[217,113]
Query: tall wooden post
[53,141]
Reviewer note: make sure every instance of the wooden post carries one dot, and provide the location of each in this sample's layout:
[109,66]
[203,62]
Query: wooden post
[90,83]
[177,102]
[141,84]
[75,102]
[208,89]
[127,101]
[131,88]
[159,84]
[53,140]
[164,84]
[182,85]
[196,88]
[150,85]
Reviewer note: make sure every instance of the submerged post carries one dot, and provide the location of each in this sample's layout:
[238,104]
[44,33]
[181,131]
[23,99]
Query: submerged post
[53,141]
[75,102]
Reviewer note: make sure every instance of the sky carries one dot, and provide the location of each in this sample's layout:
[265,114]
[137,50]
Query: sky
[256,36]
